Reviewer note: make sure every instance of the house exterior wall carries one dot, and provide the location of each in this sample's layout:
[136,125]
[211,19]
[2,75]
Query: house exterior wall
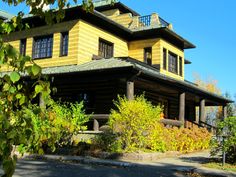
[56,29]
[89,40]
[175,50]
[136,50]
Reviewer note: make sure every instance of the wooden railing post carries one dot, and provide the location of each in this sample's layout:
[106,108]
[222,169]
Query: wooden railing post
[41,101]
[130,90]
[182,107]
[95,125]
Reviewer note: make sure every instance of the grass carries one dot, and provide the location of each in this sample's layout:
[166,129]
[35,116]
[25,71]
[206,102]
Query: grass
[217,165]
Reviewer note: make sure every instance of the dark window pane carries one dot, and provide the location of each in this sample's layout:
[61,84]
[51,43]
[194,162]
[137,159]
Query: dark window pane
[64,44]
[172,59]
[105,49]
[164,59]
[42,47]
[148,55]
[180,66]
[23,47]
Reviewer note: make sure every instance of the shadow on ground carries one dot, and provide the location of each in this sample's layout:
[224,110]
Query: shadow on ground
[40,168]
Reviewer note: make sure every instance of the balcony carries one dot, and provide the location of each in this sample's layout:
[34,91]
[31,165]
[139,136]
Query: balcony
[148,21]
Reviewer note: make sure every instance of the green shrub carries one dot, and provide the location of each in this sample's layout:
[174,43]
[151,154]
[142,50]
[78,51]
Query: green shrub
[228,129]
[53,126]
[133,120]
[136,127]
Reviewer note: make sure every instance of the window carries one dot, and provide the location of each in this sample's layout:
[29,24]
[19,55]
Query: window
[164,59]
[23,47]
[105,49]
[42,47]
[64,44]
[180,66]
[148,55]
[173,62]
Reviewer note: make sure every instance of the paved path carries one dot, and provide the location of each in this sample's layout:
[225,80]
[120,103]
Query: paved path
[162,168]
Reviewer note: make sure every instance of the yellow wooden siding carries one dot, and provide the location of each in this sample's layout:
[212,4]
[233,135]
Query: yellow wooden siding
[89,40]
[123,19]
[136,49]
[56,29]
[111,12]
[175,50]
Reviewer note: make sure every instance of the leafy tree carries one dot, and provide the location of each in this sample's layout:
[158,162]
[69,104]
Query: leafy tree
[212,112]
[226,128]
[16,94]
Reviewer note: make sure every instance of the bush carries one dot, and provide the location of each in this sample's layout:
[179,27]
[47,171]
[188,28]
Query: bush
[137,125]
[53,126]
[133,121]
[228,129]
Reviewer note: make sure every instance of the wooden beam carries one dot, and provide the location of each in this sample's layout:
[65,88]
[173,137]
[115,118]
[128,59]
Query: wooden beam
[130,90]
[202,117]
[182,107]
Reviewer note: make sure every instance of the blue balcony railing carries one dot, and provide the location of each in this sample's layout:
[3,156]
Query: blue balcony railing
[145,20]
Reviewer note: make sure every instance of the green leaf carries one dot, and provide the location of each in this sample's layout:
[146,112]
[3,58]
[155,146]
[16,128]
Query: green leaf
[18,96]
[12,90]
[36,69]
[22,100]
[38,89]
[14,76]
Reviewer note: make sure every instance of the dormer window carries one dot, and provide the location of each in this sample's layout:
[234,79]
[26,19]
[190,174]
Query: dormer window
[173,62]
[42,47]
[148,55]
[105,49]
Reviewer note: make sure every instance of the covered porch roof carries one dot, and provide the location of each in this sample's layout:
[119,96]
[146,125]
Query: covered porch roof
[144,71]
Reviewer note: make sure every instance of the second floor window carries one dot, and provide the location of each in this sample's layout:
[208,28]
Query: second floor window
[148,55]
[172,63]
[23,47]
[164,59]
[64,44]
[180,66]
[105,49]
[42,47]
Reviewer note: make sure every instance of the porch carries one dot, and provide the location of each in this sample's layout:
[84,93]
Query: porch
[99,82]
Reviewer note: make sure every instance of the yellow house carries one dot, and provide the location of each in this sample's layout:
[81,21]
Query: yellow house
[114,50]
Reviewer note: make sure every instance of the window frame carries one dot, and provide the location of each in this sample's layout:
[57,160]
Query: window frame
[49,41]
[64,45]
[105,46]
[164,58]
[172,65]
[147,60]
[23,43]
[180,66]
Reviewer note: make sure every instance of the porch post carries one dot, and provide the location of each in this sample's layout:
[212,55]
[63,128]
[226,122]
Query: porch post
[224,113]
[130,90]
[182,107]
[202,117]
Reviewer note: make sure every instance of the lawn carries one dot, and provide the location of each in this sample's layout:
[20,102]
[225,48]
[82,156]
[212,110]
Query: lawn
[217,165]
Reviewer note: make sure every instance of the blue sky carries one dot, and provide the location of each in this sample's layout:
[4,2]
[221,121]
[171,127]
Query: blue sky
[209,24]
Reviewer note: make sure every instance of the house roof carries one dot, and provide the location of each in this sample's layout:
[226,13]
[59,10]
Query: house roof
[5,15]
[118,5]
[150,71]
[100,20]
